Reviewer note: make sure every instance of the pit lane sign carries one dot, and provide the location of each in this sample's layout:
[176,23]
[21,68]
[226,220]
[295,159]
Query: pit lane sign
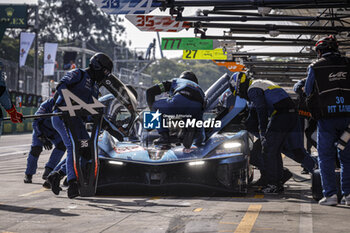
[14,15]
[231,66]
[187,43]
[124,7]
[216,54]
[157,23]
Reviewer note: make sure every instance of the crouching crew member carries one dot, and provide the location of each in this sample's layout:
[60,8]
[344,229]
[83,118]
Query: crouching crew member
[186,97]
[277,119]
[328,90]
[44,135]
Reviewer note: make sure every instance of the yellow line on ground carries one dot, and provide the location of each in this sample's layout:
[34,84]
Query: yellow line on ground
[34,192]
[154,198]
[198,210]
[232,223]
[248,221]
[259,196]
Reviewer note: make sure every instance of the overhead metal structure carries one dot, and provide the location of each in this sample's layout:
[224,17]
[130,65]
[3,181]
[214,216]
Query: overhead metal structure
[301,22]
[266,28]
[279,4]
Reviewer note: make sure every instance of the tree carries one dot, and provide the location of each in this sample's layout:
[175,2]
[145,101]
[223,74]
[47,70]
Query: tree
[76,20]
[206,71]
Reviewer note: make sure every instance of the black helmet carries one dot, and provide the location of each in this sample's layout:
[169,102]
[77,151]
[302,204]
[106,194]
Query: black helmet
[327,44]
[189,75]
[102,65]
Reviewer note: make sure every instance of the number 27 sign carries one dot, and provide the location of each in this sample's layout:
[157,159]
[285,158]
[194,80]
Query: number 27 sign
[156,23]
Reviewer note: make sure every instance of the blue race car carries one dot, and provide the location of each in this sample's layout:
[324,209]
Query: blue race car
[221,163]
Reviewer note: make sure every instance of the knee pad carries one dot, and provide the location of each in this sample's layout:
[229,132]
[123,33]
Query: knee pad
[299,155]
[36,150]
[60,146]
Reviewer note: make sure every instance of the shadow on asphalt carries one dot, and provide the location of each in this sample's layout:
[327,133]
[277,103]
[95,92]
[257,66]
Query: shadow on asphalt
[30,210]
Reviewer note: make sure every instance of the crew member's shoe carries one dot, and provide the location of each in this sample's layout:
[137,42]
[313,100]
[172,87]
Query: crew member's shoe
[73,189]
[271,189]
[65,182]
[286,175]
[54,179]
[27,178]
[330,201]
[346,200]
[260,182]
[304,171]
[46,172]
[46,185]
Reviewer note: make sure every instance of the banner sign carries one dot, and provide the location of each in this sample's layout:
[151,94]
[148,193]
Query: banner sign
[157,23]
[26,40]
[231,66]
[15,15]
[124,7]
[216,54]
[187,43]
[50,50]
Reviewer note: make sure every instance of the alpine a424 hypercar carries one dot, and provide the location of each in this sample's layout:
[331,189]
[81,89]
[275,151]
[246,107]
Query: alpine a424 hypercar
[221,163]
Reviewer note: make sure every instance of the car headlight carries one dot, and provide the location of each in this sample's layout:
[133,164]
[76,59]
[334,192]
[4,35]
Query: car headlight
[229,147]
[116,163]
[196,163]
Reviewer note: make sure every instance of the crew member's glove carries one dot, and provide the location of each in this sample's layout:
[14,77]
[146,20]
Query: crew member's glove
[46,142]
[16,117]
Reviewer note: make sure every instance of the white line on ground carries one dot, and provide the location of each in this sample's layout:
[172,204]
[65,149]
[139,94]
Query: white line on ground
[14,146]
[13,153]
[305,223]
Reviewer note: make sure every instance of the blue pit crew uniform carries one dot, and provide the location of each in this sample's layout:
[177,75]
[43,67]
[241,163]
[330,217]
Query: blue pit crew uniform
[328,90]
[79,82]
[42,127]
[272,101]
[293,145]
[185,97]
[304,114]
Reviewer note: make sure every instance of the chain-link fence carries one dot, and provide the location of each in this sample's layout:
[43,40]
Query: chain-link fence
[24,82]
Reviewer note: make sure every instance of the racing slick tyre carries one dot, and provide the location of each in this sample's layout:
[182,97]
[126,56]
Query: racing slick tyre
[316,187]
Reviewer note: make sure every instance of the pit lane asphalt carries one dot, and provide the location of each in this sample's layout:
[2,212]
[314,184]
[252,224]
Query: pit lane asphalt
[31,208]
